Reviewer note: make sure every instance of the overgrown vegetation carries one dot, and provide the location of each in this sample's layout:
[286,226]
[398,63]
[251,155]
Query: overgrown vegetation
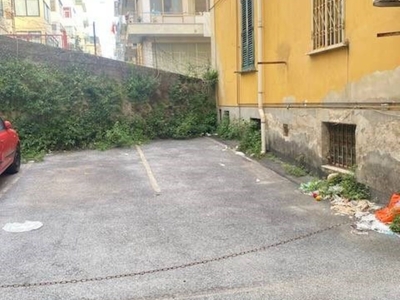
[395,225]
[246,132]
[294,170]
[343,185]
[72,109]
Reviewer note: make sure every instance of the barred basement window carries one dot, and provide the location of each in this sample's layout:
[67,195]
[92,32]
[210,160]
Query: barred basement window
[328,23]
[247,35]
[342,145]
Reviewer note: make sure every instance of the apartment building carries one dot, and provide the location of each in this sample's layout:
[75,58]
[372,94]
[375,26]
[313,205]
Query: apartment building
[32,21]
[320,76]
[6,17]
[171,35]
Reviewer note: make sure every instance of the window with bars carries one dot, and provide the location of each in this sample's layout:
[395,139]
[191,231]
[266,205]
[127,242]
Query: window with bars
[328,23]
[342,145]
[247,35]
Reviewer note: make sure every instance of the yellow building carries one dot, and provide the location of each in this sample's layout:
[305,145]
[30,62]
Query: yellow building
[322,78]
[33,21]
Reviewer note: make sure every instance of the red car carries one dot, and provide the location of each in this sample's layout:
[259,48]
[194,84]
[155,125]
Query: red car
[10,152]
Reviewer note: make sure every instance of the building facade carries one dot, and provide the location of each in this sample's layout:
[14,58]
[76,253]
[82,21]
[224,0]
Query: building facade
[32,21]
[321,77]
[57,23]
[171,35]
[6,17]
[75,22]
[57,28]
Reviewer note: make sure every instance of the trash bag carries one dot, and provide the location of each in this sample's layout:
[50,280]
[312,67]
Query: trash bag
[387,214]
[22,227]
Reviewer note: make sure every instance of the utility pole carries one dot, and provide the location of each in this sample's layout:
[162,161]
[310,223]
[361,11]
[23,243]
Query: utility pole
[95,39]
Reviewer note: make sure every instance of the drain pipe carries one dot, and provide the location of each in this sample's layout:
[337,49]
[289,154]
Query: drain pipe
[260,77]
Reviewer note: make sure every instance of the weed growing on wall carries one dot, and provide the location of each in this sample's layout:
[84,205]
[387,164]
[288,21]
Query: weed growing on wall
[64,110]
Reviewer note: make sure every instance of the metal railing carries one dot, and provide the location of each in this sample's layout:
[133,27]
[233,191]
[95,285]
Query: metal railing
[165,18]
[342,145]
[54,40]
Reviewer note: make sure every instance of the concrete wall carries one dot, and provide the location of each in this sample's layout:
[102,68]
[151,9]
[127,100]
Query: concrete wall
[377,140]
[377,137]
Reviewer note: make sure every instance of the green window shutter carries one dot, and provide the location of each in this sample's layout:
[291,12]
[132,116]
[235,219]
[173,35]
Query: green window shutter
[250,33]
[247,35]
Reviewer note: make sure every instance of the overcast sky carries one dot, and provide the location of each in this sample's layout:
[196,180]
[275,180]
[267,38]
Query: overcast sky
[102,13]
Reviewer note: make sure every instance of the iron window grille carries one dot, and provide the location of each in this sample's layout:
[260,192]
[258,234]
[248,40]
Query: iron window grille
[247,35]
[328,23]
[342,145]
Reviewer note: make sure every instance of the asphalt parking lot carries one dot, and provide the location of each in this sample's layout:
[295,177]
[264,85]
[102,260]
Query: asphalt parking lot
[180,220]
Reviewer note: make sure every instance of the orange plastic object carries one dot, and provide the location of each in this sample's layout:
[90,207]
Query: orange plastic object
[387,214]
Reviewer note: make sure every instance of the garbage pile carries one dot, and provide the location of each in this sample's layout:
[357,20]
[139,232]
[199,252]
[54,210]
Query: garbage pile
[347,197]
[346,207]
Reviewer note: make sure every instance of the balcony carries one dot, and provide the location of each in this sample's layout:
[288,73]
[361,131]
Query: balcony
[167,25]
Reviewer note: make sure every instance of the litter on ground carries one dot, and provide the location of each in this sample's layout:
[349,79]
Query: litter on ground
[346,207]
[366,222]
[367,215]
[22,227]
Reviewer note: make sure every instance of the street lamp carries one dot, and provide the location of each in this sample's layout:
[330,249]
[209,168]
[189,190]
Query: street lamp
[387,3]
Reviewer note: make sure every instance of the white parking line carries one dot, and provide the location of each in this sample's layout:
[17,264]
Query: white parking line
[150,174]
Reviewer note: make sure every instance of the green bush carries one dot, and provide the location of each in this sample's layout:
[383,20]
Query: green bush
[246,132]
[141,87]
[250,139]
[395,225]
[344,185]
[72,109]
[231,129]
[294,170]
[353,189]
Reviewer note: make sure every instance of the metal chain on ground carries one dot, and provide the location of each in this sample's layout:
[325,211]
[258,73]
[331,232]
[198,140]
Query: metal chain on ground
[187,265]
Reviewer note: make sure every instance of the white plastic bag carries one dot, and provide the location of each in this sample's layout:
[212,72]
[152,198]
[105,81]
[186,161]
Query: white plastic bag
[22,227]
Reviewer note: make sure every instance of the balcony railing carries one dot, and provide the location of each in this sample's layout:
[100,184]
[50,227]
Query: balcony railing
[54,40]
[165,18]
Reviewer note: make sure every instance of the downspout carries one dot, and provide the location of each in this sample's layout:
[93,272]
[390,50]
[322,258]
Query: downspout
[260,67]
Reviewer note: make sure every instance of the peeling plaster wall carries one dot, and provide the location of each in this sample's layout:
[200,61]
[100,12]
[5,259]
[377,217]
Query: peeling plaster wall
[377,141]
[377,129]
[378,86]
